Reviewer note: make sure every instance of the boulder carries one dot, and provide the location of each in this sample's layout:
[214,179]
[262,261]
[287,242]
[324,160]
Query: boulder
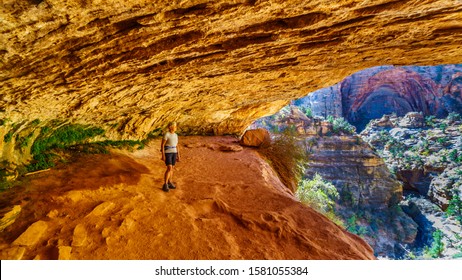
[32,235]
[256,138]
[412,120]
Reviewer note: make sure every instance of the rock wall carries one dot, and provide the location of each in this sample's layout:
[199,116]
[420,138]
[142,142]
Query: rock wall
[213,66]
[426,156]
[369,194]
[377,91]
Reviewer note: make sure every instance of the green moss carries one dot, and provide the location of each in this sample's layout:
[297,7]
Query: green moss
[61,138]
[74,137]
[7,138]
[35,122]
[23,142]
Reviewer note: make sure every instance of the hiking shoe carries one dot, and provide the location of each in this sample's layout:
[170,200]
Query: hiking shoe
[165,188]
[171,186]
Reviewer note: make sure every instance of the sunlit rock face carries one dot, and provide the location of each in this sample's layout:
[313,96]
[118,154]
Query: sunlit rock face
[377,91]
[213,66]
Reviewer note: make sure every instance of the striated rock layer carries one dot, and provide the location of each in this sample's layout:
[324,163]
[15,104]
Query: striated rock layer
[214,66]
[374,92]
[369,194]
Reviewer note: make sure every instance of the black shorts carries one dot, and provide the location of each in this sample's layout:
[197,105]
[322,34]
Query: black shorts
[170,158]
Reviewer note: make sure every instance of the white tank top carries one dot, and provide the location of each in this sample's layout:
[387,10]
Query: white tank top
[171,142]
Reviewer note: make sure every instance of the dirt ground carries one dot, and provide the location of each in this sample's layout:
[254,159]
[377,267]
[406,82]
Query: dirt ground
[229,204]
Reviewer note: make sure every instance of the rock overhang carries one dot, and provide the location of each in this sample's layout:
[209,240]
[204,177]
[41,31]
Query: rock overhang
[213,66]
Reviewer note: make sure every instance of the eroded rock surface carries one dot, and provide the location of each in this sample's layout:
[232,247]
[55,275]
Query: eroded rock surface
[227,205]
[214,66]
[377,91]
[368,193]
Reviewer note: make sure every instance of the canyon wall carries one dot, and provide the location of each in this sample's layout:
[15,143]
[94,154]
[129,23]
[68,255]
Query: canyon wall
[374,92]
[369,195]
[213,66]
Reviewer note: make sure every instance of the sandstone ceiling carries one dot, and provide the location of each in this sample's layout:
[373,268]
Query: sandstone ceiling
[213,66]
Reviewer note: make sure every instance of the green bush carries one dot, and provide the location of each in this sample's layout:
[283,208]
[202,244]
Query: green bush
[454,156]
[452,117]
[430,120]
[443,127]
[341,125]
[308,112]
[318,193]
[353,227]
[35,122]
[63,137]
[437,247]
[455,208]
[442,140]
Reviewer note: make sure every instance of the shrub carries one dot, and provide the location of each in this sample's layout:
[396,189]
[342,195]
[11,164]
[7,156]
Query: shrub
[308,112]
[437,247]
[429,120]
[23,142]
[454,156]
[35,122]
[455,208]
[442,140]
[341,125]
[443,127]
[353,227]
[452,117]
[318,194]
[287,157]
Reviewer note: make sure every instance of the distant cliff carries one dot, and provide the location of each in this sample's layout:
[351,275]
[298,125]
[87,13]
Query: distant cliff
[426,156]
[369,94]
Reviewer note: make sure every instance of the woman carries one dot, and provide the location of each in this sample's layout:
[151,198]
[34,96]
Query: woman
[170,155]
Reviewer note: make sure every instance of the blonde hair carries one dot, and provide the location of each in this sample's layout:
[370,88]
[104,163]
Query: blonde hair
[170,124]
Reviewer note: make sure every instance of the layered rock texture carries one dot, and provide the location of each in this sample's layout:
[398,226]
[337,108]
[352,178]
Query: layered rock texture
[368,193]
[228,204]
[213,66]
[377,91]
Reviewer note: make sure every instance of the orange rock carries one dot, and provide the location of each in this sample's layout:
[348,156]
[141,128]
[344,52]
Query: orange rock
[32,234]
[256,138]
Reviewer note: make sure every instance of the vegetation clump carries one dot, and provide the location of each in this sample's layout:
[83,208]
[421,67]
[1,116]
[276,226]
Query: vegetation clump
[44,148]
[340,125]
[287,157]
[437,247]
[320,195]
[51,144]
